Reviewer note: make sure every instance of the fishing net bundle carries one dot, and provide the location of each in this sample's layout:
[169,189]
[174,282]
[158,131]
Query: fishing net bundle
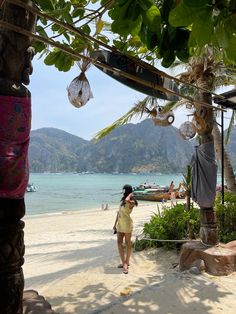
[187,130]
[79,91]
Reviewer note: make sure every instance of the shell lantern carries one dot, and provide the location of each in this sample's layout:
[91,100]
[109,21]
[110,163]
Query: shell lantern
[163,119]
[187,130]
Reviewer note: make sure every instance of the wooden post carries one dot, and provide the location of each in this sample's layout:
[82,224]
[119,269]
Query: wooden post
[208,228]
[15,68]
[11,255]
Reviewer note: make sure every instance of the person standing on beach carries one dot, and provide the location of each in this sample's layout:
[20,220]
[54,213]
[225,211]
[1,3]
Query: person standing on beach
[171,193]
[124,225]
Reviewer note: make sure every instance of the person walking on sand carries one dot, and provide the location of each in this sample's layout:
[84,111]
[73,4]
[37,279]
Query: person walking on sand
[171,193]
[123,226]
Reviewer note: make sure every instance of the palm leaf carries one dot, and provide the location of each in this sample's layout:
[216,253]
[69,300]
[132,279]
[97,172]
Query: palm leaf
[187,178]
[138,110]
[168,106]
[224,76]
[231,125]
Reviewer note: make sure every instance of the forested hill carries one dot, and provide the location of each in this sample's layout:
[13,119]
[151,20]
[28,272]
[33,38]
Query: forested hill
[140,147]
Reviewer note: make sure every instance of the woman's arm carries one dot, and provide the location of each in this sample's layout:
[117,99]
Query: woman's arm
[129,199]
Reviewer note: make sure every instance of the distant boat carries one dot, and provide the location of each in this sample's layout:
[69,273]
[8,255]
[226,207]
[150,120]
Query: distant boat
[152,196]
[31,188]
[154,193]
[151,192]
[150,187]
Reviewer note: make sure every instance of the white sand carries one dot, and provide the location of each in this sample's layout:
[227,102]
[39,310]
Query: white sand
[71,259]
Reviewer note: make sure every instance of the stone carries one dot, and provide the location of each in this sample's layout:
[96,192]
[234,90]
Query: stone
[219,260]
[33,303]
[195,270]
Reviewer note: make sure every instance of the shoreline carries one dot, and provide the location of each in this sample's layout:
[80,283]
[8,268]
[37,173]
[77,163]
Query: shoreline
[92,210]
[96,209]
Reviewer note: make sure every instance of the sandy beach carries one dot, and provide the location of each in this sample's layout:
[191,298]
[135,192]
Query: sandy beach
[71,259]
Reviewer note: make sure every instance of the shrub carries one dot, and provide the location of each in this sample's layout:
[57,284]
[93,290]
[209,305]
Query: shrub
[176,223]
[172,224]
[226,216]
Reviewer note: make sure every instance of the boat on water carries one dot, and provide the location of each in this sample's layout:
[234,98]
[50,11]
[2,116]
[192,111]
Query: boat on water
[153,197]
[151,192]
[155,193]
[31,188]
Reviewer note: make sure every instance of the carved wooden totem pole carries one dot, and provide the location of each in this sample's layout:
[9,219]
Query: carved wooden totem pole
[15,116]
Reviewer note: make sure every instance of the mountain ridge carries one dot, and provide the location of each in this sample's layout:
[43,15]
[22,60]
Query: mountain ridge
[140,148]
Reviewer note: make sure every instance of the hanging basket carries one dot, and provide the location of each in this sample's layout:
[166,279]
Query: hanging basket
[163,119]
[187,130]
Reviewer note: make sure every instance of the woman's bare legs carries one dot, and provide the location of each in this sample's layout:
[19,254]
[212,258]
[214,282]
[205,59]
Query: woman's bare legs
[128,250]
[120,237]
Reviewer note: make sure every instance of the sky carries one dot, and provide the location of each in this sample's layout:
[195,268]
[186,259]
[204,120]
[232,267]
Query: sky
[51,106]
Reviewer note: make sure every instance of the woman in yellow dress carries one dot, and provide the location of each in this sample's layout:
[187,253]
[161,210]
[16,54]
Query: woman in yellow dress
[124,226]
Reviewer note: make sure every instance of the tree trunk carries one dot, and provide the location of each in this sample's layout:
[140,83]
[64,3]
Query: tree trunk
[204,120]
[188,202]
[15,119]
[228,169]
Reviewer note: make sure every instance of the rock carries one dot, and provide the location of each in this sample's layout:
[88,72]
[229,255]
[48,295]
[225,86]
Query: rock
[195,270]
[33,303]
[219,260]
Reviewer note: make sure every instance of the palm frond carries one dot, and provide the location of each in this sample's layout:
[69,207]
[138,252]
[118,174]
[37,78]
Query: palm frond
[168,106]
[225,76]
[138,110]
[187,178]
[231,125]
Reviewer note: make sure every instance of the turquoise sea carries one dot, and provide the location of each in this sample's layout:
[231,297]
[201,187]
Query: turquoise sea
[57,192]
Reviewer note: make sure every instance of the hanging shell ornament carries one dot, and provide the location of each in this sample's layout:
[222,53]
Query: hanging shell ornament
[79,91]
[187,130]
[163,119]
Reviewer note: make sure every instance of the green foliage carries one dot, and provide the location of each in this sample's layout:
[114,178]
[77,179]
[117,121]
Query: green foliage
[167,30]
[62,61]
[173,224]
[150,23]
[212,23]
[46,5]
[226,216]
[142,244]
[176,223]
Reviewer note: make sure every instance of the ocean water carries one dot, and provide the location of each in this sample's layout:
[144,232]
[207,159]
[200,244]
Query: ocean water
[59,192]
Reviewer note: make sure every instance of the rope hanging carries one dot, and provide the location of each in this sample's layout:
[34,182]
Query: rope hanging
[100,43]
[161,240]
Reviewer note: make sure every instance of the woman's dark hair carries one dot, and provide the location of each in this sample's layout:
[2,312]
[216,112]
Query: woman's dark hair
[127,190]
